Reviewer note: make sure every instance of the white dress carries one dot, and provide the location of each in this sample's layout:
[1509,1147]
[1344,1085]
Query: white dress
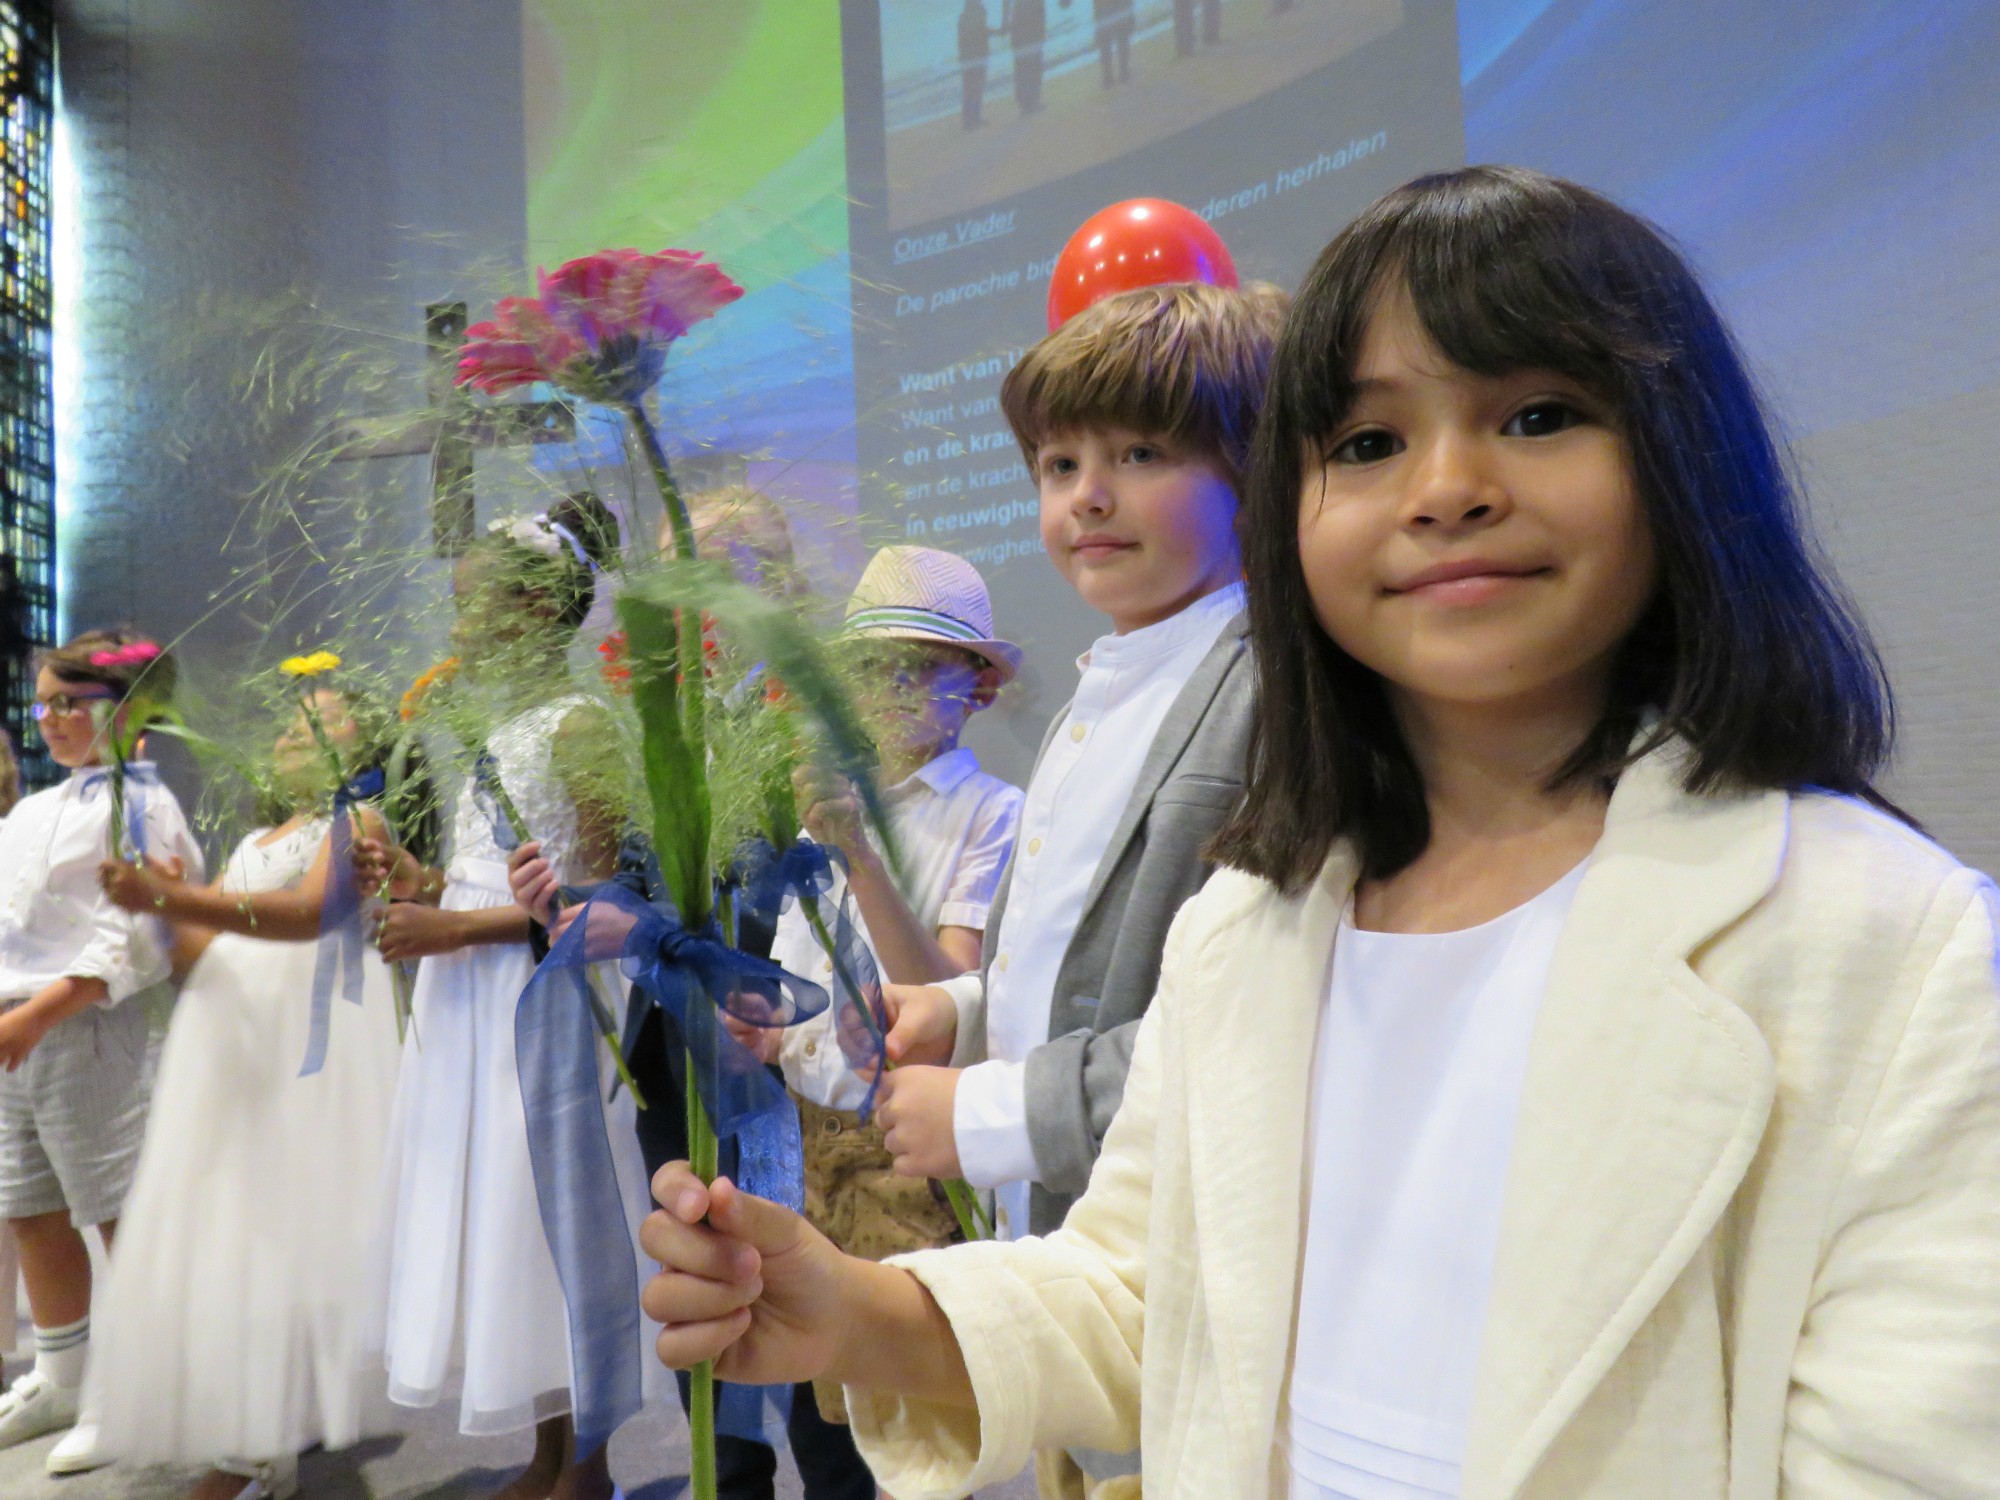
[467,1266]
[231,1323]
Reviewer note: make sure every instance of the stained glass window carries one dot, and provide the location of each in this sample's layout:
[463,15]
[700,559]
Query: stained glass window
[27,435]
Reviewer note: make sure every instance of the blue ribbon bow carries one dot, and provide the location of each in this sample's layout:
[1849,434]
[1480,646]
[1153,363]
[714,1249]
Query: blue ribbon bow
[804,869]
[139,774]
[805,872]
[341,941]
[690,975]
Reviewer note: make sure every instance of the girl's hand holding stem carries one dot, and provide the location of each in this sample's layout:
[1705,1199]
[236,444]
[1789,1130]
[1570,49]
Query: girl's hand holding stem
[532,880]
[386,869]
[408,929]
[140,888]
[757,1289]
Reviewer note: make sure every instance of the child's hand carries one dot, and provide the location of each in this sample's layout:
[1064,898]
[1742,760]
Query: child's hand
[408,930]
[384,869]
[831,811]
[914,1109]
[138,887]
[923,1023]
[20,1030]
[604,939]
[533,881]
[761,1042]
[756,1288]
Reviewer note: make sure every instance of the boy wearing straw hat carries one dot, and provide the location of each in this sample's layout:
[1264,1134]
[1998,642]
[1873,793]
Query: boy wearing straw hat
[923,622]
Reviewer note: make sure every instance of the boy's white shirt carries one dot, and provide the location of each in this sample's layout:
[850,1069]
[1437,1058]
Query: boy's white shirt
[1748,1243]
[954,828]
[55,920]
[1127,684]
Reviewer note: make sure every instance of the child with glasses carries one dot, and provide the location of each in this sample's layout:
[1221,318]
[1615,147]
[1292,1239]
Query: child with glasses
[73,1091]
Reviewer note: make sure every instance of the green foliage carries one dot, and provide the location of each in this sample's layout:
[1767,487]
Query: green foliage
[776,700]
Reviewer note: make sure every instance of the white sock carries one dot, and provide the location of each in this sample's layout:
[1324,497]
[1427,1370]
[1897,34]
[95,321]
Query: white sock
[60,1352]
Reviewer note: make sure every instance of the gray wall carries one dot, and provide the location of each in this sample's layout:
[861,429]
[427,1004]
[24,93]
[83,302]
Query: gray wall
[260,177]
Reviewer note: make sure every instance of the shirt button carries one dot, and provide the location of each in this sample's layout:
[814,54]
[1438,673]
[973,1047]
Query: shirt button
[812,1049]
[1034,846]
[1077,731]
[1000,963]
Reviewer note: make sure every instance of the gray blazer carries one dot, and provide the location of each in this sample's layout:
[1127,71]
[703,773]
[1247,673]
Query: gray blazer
[1191,780]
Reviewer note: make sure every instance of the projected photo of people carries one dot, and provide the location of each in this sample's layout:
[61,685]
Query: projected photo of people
[983,98]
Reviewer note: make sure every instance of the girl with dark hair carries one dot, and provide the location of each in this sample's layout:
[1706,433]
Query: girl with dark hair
[233,1315]
[467,1260]
[1579,1085]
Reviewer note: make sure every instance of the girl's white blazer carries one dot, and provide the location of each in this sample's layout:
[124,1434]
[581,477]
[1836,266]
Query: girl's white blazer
[1751,1241]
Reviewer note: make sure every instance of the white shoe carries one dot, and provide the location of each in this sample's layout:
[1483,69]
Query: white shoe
[77,1452]
[33,1407]
[277,1479]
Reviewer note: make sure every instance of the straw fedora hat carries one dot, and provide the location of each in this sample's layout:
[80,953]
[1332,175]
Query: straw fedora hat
[922,594]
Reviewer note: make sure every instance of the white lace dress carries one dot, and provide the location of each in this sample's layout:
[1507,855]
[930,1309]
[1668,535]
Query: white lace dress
[231,1324]
[467,1265]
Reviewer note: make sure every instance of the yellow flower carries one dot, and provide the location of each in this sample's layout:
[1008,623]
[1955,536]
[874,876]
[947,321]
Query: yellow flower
[309,666]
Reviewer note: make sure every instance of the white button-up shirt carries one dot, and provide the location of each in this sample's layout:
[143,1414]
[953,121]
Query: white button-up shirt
[954,828]
[1077,797]
[55,922]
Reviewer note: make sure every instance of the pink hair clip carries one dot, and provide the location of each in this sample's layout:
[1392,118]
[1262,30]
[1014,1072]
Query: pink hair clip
[133,654]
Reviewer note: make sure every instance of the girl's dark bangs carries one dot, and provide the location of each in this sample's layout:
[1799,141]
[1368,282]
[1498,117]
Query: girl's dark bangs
[1512,298]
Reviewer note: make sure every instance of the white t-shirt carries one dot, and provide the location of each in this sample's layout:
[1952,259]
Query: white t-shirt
[1422,1048]
[1075,801]
[55,922]
[954,828]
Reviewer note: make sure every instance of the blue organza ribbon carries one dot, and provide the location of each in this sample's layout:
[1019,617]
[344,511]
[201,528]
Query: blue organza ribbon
[139,775]
[805,872]
[486,792]
[341,941]
[691,976]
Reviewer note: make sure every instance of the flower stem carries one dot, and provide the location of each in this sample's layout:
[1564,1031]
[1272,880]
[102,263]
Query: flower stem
[704,1157]
[965,1207]
[688,653]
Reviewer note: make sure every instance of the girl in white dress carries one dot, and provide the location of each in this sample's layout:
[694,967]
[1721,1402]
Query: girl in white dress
[232,1319]
[467,1264]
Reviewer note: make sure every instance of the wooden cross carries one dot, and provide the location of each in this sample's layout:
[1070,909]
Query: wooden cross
[452,430]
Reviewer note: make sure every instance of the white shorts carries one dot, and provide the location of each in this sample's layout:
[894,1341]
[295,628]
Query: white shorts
[72,1116]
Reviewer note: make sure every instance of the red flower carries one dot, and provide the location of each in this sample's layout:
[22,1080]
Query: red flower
[599,325]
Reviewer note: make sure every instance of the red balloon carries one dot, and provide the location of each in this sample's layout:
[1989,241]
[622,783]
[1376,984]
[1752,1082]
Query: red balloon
[1140,242]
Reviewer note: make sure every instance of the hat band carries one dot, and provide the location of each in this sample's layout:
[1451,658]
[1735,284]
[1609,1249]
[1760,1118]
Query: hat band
[895,617]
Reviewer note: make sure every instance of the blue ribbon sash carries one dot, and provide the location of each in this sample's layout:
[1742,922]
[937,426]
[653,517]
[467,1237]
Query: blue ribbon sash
[693,977]
[486,792]
[341,941]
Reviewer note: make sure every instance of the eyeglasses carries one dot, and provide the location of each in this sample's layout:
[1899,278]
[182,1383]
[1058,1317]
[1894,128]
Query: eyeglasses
[67,703]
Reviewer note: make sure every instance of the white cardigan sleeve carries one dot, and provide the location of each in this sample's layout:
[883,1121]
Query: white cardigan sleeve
[1051,1329]
[1896,1377]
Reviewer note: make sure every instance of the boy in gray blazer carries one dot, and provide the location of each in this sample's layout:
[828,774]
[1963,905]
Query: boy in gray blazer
[1134,418]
